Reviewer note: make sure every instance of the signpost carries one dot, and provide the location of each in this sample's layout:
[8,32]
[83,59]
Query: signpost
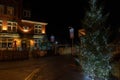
[71,30]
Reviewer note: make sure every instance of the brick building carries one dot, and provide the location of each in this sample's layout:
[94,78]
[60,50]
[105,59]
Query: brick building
[17,31]
[20,36]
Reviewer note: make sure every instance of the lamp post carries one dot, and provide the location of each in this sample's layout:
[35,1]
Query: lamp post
[71,30]
[52,38]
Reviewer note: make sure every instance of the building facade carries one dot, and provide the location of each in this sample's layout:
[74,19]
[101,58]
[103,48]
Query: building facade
[16,32]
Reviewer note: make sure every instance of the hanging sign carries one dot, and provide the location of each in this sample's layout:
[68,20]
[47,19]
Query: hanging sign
[52,38]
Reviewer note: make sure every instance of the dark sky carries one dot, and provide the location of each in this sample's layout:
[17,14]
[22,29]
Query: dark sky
[60,14]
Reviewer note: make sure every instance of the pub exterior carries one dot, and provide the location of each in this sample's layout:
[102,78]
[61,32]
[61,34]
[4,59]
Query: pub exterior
[17,32]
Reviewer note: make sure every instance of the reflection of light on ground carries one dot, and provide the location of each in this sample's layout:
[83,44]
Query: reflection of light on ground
[30,76]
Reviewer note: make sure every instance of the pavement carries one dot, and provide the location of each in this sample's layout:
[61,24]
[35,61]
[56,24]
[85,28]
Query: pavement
[43,68]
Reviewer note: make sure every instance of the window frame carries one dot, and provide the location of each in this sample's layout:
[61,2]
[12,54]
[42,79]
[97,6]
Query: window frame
[37,29]
[26,13]
[6,41]
[10,10]
[12,25]
[1,25]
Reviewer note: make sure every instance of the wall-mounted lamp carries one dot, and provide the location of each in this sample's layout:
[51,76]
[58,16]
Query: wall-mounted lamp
[25,28]
[4,28]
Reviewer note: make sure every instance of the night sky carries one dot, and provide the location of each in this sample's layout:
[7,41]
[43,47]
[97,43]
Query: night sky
[61,14]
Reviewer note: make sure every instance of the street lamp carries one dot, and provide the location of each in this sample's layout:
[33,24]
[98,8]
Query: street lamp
[52,38]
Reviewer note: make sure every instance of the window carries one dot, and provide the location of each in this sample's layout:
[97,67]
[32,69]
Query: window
[6,43]
[10,11]
[9,43]
[38,29]
[0,42]
[1,9]
[37,43]
[1,25]
[12,26]
[14,29]
[26,13]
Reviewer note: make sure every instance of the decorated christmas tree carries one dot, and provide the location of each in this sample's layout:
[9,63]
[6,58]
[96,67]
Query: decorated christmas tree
[95,53]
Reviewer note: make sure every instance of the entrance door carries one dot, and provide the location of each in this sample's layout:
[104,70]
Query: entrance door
[24,45]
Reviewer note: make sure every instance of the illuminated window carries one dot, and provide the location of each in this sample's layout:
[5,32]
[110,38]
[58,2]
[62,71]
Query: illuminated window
[6,43]
[37,29]
[12,26]
[1,9]
[10,10]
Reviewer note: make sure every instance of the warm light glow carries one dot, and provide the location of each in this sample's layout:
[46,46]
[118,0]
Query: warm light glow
[18,42]
[4,28]
[82,32]
[43,31]
[31,42]
[25,30]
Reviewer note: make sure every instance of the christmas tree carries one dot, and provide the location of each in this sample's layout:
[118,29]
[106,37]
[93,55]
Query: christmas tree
[95,52]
